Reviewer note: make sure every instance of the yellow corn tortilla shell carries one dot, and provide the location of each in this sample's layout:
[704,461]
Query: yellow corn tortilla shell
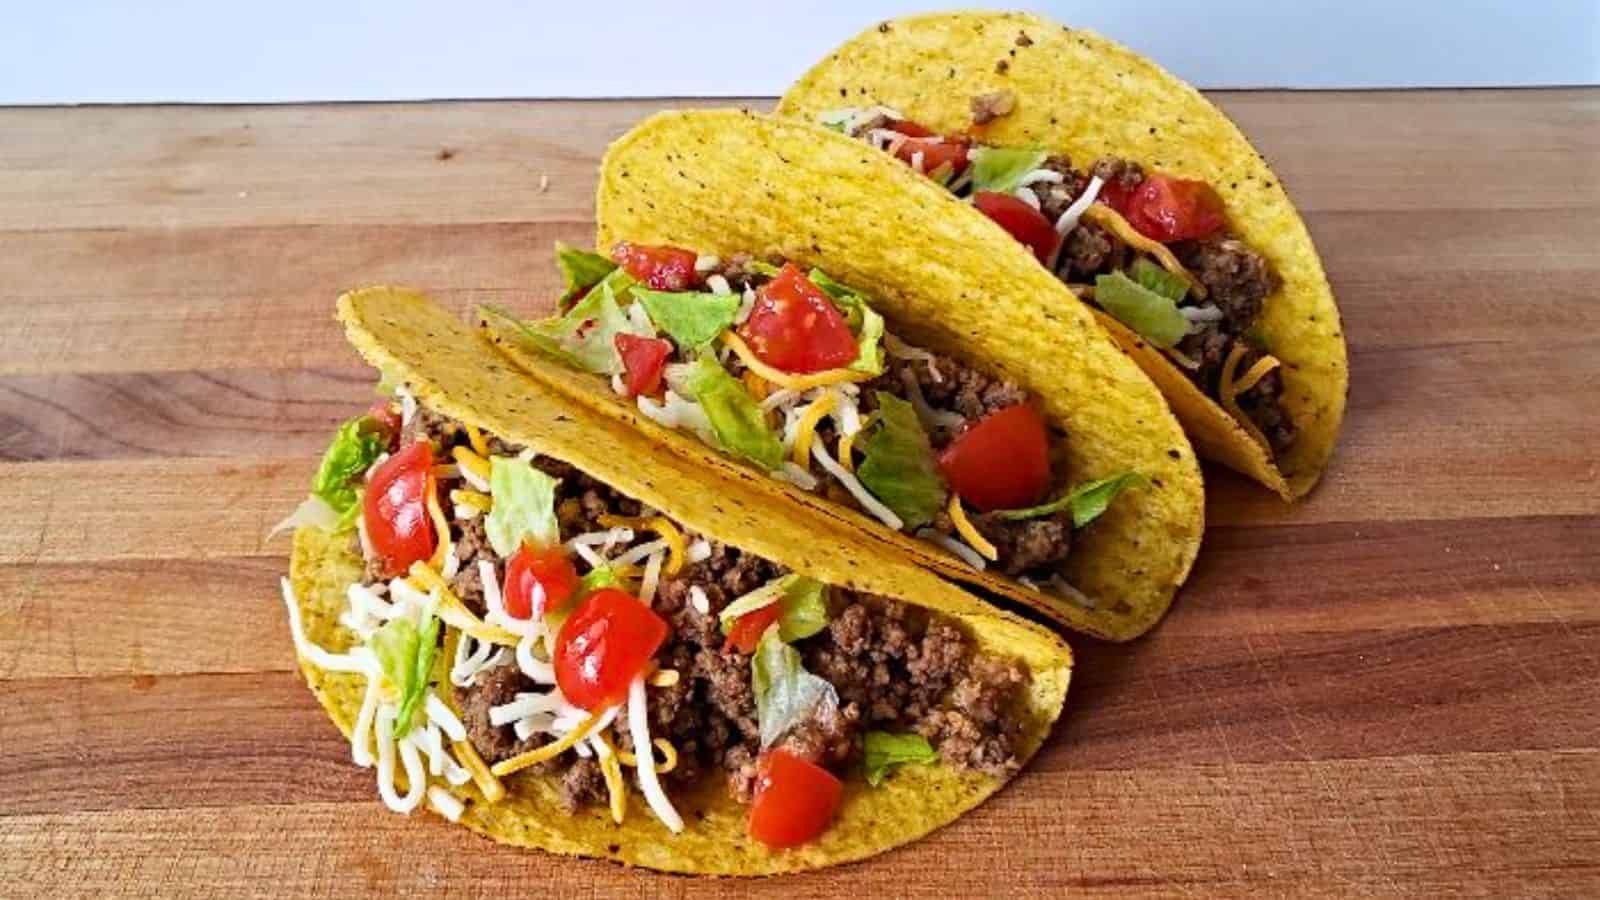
[1080,94]
[414,342]
[724,182]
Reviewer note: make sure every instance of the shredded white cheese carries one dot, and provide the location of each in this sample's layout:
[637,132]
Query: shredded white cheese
[856,488]
[1026,195]
[1069,216]
[644,758]
[967,554]
[639,553]
[800,478]
[699,551]
[705,263]
[1041,176]
[719,285]
[652,578]
[699,600]
[445,803]
[537,669]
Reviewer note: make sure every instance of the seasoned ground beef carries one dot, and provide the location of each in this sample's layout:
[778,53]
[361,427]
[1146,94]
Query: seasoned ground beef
[1055,197]
[1122,173]
[946,385]
[584,783]
[493,687]
[992,105]
[1264,405]
[1084,253]
[1032,545]
[472,544]
[1237,278]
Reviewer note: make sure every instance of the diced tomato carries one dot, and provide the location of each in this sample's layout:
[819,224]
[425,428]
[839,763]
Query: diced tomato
[1025,223]
[1173,209]
[384,419]
[935,152]
[1002,462]
[606,641]
[1114,195]
[910,128]
[660,268]
[794,327]
[794,801]
[395,510]
[549,569]
[747,629]
[643,360]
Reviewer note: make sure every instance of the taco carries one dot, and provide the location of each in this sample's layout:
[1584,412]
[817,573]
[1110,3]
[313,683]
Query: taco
[530,623]
[1137,193]
[757,309]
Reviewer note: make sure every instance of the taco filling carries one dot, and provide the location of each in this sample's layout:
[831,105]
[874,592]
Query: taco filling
[584,634]
[797,374]
[1149,249]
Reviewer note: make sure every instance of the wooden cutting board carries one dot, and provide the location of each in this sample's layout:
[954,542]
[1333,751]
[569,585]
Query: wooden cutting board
[1390,689]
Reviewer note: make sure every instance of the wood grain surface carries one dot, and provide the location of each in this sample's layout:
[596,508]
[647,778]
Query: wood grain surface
[1388,690]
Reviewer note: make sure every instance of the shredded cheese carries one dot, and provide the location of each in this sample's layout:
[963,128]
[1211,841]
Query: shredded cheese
[488,785]
[847,443]
[676,550]
[1228,392]
[445,803]
[451,610]
[474,467]
[476,439]
[1257,372]
[851,483]
[1112,221]
[649,784]
[476,499]
[664,678]
[611,768]
[783,379]
[549,751]
[968,533]
[807,430]
[444,547]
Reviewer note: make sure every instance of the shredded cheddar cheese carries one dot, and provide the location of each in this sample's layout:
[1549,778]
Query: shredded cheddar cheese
[488,785]
[847,443]
[471,461]
[664,678]
[759,387]
[1228,392]
[1257,372]
[611,767]
[669,756]
[549,751]
[970,534]
[807,430]
[452,611]
[676,550]
[783,379]
[476,439]
[476,499]
[441,527]
[1112,221]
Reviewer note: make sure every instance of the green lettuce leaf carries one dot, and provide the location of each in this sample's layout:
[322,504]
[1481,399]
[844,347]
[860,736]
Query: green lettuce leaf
[884,751]
[1086,501]
[692,320]
[898,465]
[405,653]
[786,694]
[804,612]
[762,267]
[580,270]
[355,447]
[864,321]
[1001,168]
[1153,316]
[524,506]
[586,334]
[1155,278]
[735,417]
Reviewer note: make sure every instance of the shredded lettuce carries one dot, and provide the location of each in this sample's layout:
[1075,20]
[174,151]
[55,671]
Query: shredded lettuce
[864,321]
[586,334]
[693,320]
[580,270]
[898,465]
[762,267]
[786,694]
[1086,501]
[804,600]
[735,417]
[1001,168]
[1155,278]
[1153,316]
[884,751]
[524,506]
[355,447]
[405,653]
[597,578]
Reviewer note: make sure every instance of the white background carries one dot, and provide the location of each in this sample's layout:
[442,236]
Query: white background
[73,51]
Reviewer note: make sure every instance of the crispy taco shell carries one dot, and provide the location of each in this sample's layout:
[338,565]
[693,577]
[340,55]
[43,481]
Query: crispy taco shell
[1082,95]
[412,341]
[725,182]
